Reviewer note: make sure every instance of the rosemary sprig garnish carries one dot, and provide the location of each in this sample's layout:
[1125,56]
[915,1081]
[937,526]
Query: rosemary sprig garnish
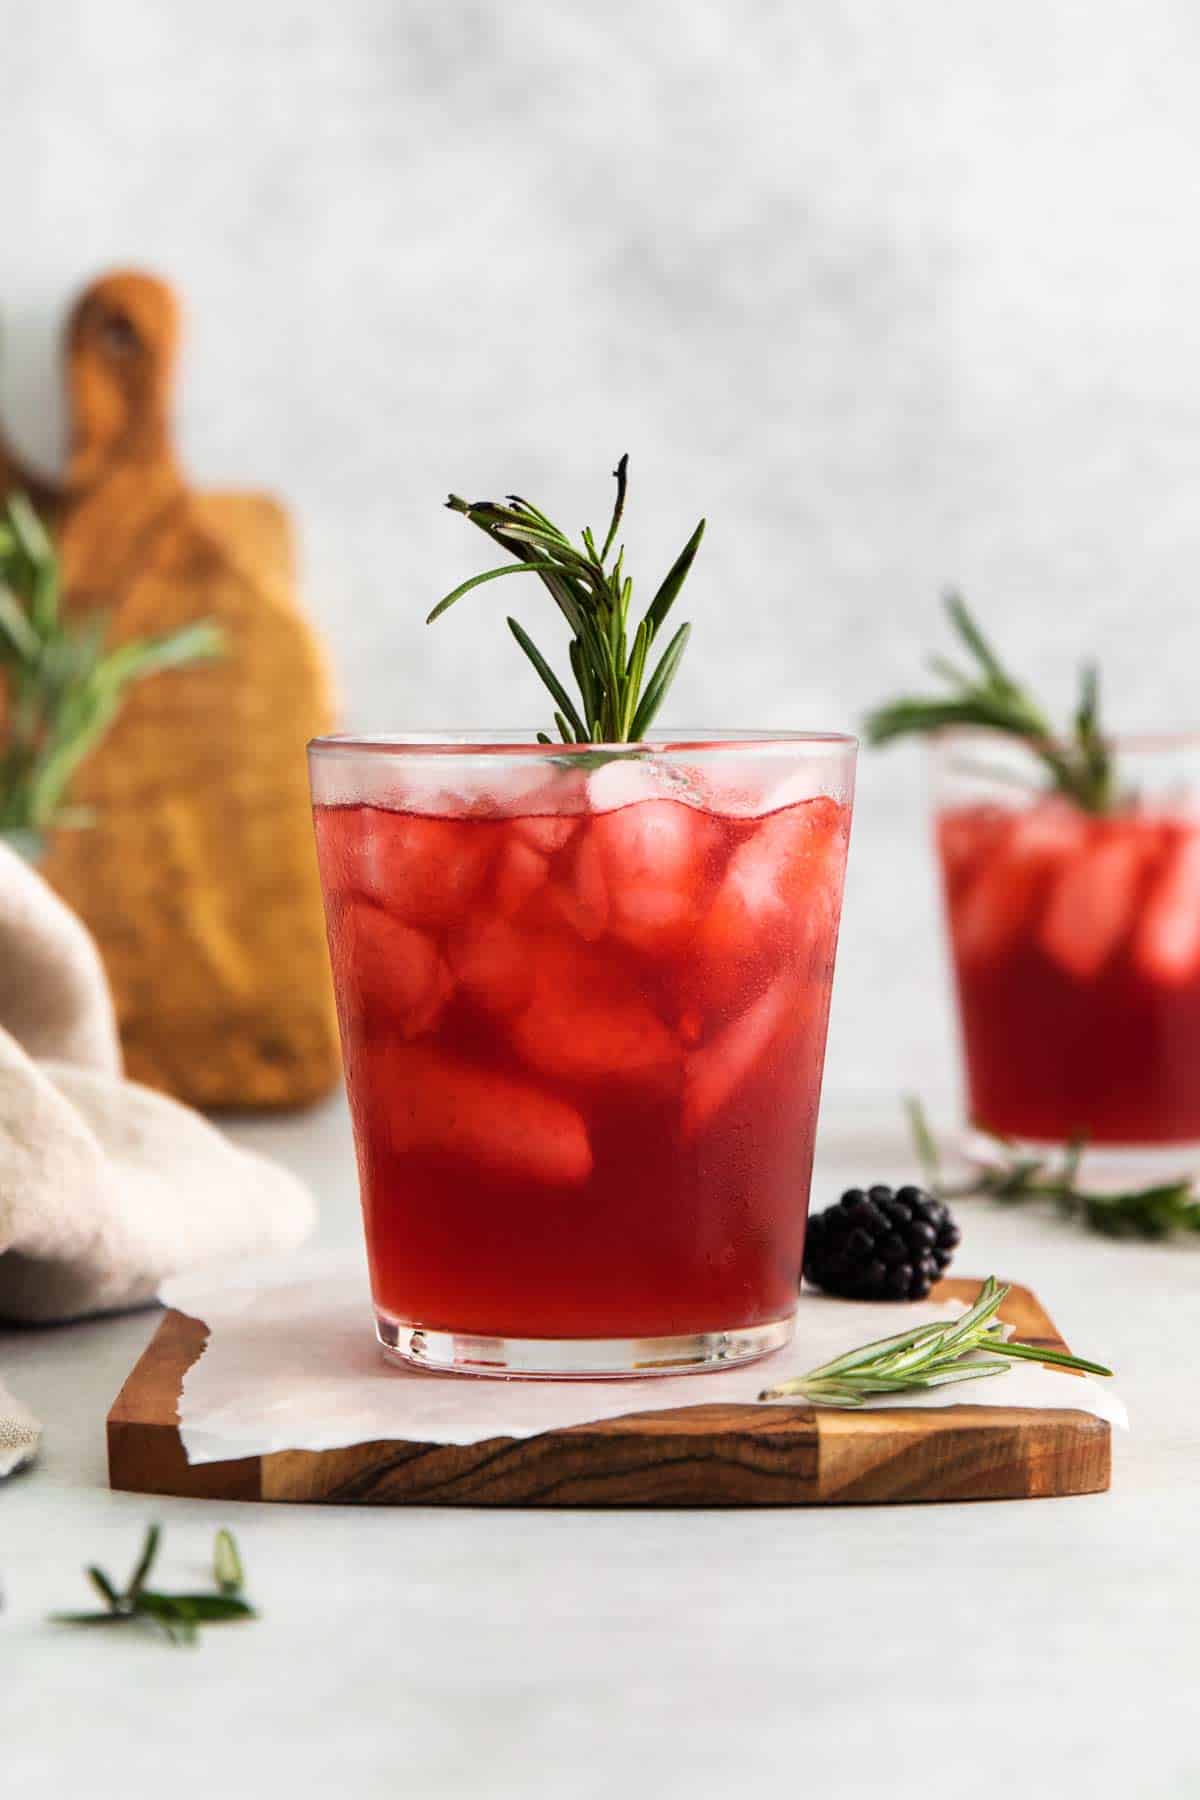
[176,1616]
[1080,765]
[609,655]
[60,690]
[1015,1176]
[969,1348]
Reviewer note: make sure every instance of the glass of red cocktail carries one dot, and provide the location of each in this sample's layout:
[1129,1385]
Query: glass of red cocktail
[1075,939]
[583,997]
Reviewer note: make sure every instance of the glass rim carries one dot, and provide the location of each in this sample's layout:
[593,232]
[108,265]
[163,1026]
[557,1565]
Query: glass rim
[949,735]
[503,742]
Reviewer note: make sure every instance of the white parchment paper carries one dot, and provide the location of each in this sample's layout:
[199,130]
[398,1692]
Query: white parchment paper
[292,1364]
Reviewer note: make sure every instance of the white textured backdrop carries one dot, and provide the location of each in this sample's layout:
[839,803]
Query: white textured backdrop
[896,295]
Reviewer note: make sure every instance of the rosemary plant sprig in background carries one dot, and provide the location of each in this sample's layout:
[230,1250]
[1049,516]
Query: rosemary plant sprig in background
[60,690]
[1015,1176]
[176,1616]
[968,1348]
[610,655]
[986,695]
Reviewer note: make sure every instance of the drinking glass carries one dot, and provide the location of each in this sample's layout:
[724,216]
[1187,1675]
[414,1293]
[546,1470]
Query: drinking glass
[1075,940]
[583,996]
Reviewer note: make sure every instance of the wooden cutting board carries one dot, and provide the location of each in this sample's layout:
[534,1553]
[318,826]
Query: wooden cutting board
[700,1455]
[198,876]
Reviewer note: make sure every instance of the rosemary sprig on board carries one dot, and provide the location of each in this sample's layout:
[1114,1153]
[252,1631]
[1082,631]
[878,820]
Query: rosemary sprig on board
[176,1616]
[610,656]
[60,689]
[986,695]
[971,1347]
[1015,1176]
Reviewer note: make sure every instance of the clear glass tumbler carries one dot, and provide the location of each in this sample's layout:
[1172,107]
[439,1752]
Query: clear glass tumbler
[1075,939]
[583,997]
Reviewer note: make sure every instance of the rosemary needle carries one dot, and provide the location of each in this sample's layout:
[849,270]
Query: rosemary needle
[971,1348]
[177,1617]
[608,653]
[985,695]
[1014,1175]
[60,688]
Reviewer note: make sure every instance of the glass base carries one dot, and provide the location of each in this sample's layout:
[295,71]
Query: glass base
[1104,1166]
[578,1359]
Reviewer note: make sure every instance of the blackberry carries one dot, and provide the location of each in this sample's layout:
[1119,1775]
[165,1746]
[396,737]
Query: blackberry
[876,1244]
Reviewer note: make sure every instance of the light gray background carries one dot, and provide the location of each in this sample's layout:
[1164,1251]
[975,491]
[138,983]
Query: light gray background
[896,295]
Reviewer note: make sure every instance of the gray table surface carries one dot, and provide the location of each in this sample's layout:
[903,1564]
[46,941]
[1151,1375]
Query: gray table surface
[1049,1644]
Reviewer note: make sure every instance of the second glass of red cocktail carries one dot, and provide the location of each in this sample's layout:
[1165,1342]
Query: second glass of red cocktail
[1070,861]
[1075,939]
[583,996]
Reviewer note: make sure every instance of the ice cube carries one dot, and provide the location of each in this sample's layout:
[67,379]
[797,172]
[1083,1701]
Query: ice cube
[427,784]
[427,871]
[652,840]
[965,835]
[715,1072]
[578,896]
[587,1021]
[509,787]
[440,1103]
[394,971]
[1094,900]
[651,918]
[749,781]
[781,890]
[991,914]
[546,832]
[1048,832]
[1167,942]
[656,861]
[489,960]
[560,791]
[800,785]
[1000,901]
[626,780]
[726,786]
[519,872]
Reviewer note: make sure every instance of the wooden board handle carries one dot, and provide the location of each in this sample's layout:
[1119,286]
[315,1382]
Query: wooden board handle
[121,344]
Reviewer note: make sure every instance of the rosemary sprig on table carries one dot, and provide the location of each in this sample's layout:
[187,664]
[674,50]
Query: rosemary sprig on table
[609,655]
[986,695]
[1014,1176]
[176,1616]
[968,1348]
[60,690]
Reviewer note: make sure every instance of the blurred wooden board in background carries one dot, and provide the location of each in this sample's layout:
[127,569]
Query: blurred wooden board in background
[198,875]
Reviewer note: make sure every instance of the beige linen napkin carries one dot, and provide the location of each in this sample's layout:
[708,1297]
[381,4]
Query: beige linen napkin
[106,1188]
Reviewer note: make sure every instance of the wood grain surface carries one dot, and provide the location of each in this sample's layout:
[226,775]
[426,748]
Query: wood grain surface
[702,1455]
[198,876]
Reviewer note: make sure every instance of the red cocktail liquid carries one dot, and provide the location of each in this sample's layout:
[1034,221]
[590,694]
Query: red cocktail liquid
[1076,945]
[584,1058]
